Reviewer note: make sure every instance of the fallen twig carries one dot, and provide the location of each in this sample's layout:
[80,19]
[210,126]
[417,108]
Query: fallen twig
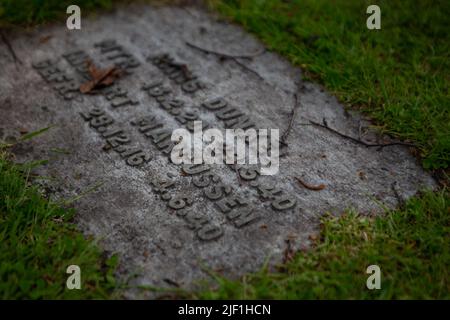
[226,55]
[99,77]
[400,199]
[309,186]
[232,57]
[366,144]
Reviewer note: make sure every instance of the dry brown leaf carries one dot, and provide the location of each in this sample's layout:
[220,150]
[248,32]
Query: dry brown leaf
[100,77]
[45,39]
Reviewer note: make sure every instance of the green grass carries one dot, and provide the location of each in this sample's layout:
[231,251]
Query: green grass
[411,246]
[398,75]
[38,242]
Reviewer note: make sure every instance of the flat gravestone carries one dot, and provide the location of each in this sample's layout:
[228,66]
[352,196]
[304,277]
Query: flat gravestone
[110,150]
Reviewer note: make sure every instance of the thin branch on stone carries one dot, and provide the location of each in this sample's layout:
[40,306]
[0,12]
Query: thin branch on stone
[310,186]
[400,200]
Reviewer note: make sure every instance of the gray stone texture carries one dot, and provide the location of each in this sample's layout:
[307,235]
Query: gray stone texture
[120,206]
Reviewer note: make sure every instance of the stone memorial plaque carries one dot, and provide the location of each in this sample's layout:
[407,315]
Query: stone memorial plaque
[109,148]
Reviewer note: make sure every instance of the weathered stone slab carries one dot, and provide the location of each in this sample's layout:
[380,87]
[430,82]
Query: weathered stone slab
[165,221]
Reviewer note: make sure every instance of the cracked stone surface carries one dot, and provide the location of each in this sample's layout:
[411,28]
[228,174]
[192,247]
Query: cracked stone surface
[158,235]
